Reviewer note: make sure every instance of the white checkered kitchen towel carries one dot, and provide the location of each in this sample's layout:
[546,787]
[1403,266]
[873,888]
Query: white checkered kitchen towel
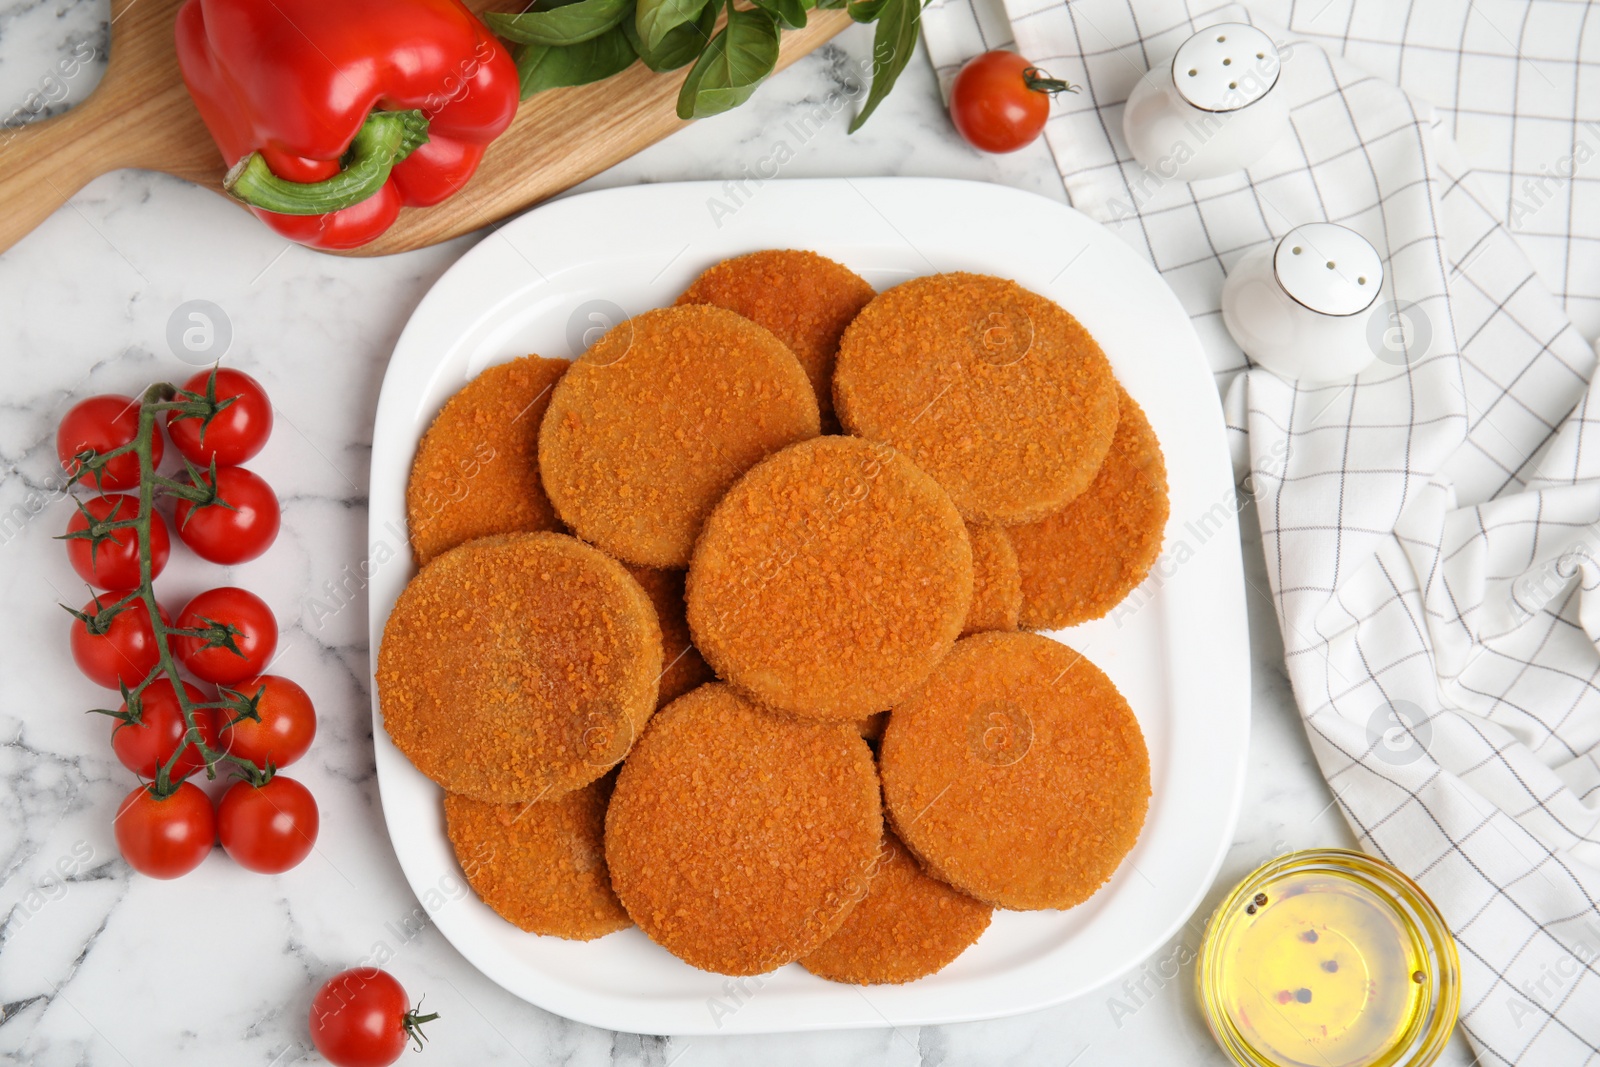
[1432,529]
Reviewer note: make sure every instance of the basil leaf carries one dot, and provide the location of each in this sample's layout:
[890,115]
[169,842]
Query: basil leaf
[831,5]
[543,66]
[655,18]
[791,13]
[864,10]
[741,54]
[681,44]
[893,41]
[568,24]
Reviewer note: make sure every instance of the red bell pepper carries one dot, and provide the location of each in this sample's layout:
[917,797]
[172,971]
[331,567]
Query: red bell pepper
[333,114]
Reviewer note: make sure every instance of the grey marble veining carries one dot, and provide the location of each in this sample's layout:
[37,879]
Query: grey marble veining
[99,967]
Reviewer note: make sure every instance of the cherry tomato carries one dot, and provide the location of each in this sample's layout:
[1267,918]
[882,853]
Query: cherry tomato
[255,635]
[270,828]
[241,526]
[288,723]
[360,1018]
[165,837]
[146,746]
[999,101]
[102,423]
[124,653]
[114,562]
[236,433]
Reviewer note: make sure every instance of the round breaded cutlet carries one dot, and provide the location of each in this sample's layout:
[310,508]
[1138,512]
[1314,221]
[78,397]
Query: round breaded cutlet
[830,579]
[737,839]
[477,468]
[908,926]
[542,865]
[682,667]
[1017,772]
[653,423]
[518,667]
[996,581]
[997,392]
[806,300]
[1079,563]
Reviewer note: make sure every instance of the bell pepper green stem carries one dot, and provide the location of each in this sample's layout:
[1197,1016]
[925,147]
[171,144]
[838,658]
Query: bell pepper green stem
[386,138]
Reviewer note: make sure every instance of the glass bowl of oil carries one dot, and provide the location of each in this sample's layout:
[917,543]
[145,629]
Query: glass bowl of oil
[1329,958]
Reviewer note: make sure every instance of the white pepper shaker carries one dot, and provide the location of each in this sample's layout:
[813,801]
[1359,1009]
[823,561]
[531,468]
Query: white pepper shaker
[1303,307]
[1215,109]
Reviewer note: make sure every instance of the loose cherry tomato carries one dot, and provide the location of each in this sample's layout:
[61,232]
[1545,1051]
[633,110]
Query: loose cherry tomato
[255,634]
[146,745]
[113,563]
[102,423]
[270,828]
[239,527]
[124,653]
[999,101]
[288,723]
[236,433]
[165,837]
[360,1018]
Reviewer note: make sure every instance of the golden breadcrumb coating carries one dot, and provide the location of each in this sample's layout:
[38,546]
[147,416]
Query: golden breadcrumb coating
[1017,772]
[830,579]
[682,668]
[1079,563]
[477,468]
[806,300]
[996,581]
[996,392]
[653,423]
[542,865]
[908,926]
[518,667]
[737,839]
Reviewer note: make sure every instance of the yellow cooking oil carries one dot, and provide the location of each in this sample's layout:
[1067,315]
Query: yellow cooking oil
[1316,963]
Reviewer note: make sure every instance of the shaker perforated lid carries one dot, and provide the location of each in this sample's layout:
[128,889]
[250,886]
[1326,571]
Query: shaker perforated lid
[1226,67]
[1329,268]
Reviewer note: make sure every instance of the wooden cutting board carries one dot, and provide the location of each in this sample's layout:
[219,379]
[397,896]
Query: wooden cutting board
[141,116]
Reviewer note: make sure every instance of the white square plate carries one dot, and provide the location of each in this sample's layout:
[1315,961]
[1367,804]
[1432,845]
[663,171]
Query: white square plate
[1177,648]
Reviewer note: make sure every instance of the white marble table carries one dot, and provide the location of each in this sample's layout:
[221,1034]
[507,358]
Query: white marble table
[101,967]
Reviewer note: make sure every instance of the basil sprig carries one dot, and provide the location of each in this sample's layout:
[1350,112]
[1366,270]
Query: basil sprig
[893,39]
[544,66]
[581,41]
[654,19]
[562,26]
[733,63]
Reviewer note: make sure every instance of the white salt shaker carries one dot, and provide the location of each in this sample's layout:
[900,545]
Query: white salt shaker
[1303,308]
[1215,109]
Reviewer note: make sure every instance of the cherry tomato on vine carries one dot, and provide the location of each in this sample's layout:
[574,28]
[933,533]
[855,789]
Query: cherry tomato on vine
[113,562]
[236,433]
[360,1018]
[288,723]
[241,526]
[999,101]
[268,828]
[165,837]
[255,634]
[145,746]
[124,652]
[102,423]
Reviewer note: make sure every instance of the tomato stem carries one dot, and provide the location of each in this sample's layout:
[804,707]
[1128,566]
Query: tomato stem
[1041,82]
[157,399]
[100,622]
[412,1021]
